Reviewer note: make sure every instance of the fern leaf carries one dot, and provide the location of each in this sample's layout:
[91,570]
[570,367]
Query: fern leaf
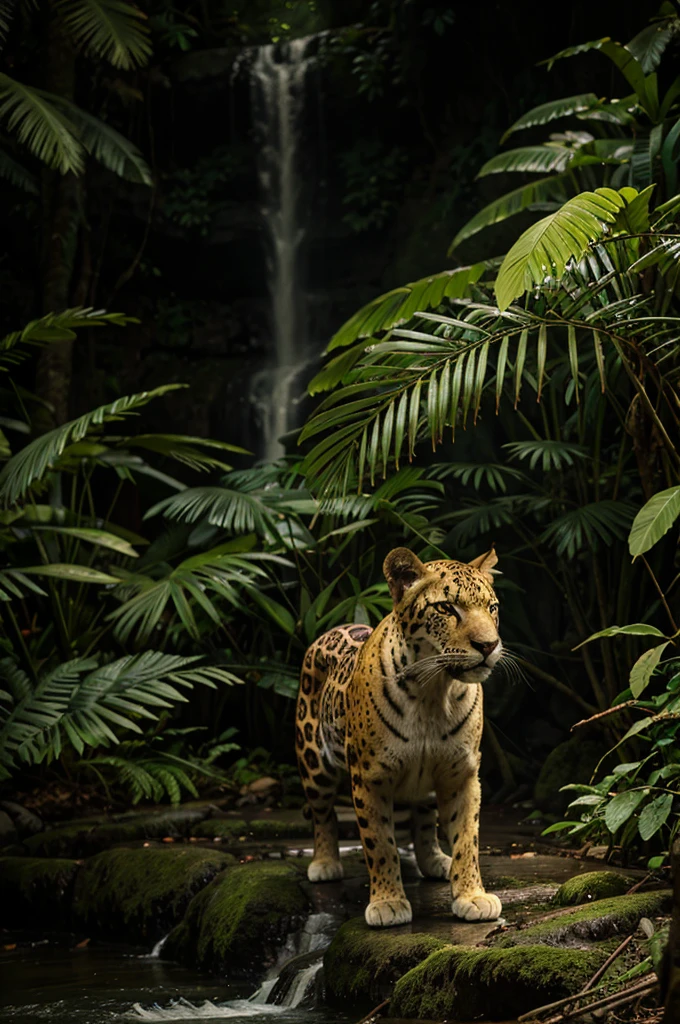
[40,125]
[111,149]
[33,461]
[110,30]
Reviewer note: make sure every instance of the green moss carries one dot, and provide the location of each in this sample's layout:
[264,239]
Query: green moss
[259,829]
[463,983]
[34,890]
[593,885]
[598,920]
[140,894]
[573,761]
[240,920]
[92,835]
[362,964]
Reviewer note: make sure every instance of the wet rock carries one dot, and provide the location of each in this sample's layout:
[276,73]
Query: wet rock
[572,761]
[36,891]
[599,920]
[92,835]
[258,829]
[239,922]
[25,822]
[141,894]
[362,964]
[593,885]
[462,983]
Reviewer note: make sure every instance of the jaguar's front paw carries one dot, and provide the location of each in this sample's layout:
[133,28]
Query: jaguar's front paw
[325,871]
[387,913]
[480,906]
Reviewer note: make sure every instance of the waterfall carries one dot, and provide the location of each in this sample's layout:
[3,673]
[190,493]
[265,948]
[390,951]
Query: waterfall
[278,75]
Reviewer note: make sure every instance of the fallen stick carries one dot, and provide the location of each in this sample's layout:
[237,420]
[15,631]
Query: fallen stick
[587,988]
[376,1009]
[627,995]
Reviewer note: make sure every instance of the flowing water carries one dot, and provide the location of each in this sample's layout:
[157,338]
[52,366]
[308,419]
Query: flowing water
[277,74]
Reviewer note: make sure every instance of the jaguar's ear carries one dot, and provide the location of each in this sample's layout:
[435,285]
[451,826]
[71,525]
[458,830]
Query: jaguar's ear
[402,569]
[485,563]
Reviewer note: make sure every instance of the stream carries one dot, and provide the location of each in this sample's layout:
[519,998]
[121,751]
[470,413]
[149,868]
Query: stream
[49,980]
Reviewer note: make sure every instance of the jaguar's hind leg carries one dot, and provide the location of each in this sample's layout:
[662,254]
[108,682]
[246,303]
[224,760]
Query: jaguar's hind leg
[430,858]
[319,780]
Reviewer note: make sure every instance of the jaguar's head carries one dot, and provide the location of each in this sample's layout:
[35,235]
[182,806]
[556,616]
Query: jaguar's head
[448,612]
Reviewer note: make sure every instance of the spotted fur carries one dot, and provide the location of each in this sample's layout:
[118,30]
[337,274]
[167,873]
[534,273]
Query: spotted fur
[400,709]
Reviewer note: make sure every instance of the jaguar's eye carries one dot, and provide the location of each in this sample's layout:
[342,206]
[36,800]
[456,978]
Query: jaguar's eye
[493,608]
[446,608]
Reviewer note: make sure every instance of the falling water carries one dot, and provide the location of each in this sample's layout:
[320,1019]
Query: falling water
[278,86]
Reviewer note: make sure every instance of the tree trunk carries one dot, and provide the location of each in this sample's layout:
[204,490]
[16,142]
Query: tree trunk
[61,200]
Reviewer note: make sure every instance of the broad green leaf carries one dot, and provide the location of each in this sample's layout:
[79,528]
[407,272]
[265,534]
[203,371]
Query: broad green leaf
[545,249]
[654,520]
[655,815]
[642,670]
[620,808]
[541,159]
[635,629]
[558,826]
[552,111]
[101,538]
[76,573]
[554,189]
[281,616]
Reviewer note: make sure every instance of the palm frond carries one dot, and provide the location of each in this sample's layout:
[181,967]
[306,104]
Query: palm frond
[16,174]
[583,528]
[622,58]
[552,111]
[547,158]
[550,454]
[38,457]
[493,475]
[478,518]
[546,248]
[111,149]
[185,449]
[54,327]
[395,307]
[87,704]
[110,30]
[221,572]
[6,13]
[552,191]
[40,125]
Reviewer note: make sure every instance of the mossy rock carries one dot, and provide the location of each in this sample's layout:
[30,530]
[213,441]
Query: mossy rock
[572,761]
[239,922]
[462,983]
[599,920]
[89,836]
[362,964]
[34,890]
[261,829]
[593,885]
[141,894]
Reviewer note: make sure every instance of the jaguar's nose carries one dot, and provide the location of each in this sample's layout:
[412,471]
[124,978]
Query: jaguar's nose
[485,647]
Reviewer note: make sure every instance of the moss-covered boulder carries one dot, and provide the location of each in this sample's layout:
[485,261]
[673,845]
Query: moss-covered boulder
[361,964]
[260,829]
[36,891]
[139,895]
[239,922]
[460,983]
[572,761]
[92,835]
[599,920]
[593,885]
